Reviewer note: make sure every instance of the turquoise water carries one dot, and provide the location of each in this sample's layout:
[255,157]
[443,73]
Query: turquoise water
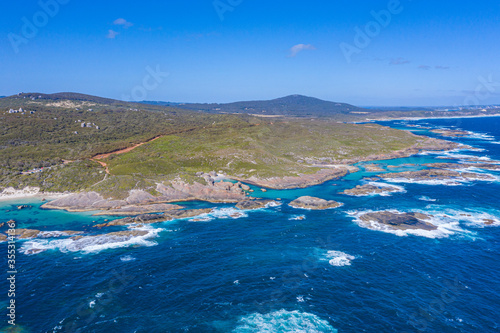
[269,271]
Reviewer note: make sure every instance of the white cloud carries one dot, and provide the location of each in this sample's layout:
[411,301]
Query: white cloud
[123,22]
[112,34]
[299,48]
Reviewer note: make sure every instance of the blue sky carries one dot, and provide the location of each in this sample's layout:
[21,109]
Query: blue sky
[362,52]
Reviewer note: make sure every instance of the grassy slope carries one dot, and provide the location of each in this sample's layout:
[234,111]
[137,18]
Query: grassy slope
[239,145]
[269,149]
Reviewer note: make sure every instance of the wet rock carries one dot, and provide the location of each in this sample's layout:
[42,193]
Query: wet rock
[455,166]
[156,218]
[24,233]
[365,190]
[137,210]
[400,221]
[254,204]
[307,202]
[436,174]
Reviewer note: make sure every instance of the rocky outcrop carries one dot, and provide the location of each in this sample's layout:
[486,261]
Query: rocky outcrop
[115,236]
[398,221]
[24,233]
[373,168]
[211,192]
[314,203]
[156,218]
[33,233]
[451,133]
[137,210]
[139,202]
[483,166]
[369,189]
[436,174]
[301,181]
[255,204]
[85,201]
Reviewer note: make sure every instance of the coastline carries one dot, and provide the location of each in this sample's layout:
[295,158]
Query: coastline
[422,118]
[328,173]
[11,194]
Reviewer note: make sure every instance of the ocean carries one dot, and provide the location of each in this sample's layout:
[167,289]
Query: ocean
[278,269]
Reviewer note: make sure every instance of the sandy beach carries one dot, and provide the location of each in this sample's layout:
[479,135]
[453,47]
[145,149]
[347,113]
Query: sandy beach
[10,194]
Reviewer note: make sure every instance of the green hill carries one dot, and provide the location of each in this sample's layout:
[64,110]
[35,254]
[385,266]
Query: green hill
[293,106]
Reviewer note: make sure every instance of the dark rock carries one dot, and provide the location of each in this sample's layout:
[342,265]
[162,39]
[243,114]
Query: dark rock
[401,221]
[254,204]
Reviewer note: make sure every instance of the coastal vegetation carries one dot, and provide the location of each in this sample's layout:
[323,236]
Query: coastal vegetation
[51,142]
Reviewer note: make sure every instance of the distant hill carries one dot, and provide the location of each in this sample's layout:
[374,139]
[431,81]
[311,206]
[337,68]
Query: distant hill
[67,96]
[294,105]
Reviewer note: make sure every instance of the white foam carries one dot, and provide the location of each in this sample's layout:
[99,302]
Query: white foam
[424,198]
[297,217]
[88,244]
[447,182]
[338,258]
[470,217]
[221,213]
[127,258]
[446,226]
[283,321]
[480,136]
[456,181]
[53,234]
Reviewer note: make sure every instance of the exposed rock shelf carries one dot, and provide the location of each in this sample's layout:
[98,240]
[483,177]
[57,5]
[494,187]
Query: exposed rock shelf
[369,189]
[307,202]
[398,221]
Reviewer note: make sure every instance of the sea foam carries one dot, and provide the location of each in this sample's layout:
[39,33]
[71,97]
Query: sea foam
[220,213]
[89,244]
[283,321]
[338,258]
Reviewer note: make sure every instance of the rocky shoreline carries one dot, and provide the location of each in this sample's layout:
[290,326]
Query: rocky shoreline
[215,189]
[436,174]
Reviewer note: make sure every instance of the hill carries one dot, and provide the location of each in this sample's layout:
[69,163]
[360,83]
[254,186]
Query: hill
[73,142]
[292,106]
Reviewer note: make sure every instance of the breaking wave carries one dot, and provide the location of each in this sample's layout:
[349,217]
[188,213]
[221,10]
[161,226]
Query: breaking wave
[338,258]
[283,321]
[91,244]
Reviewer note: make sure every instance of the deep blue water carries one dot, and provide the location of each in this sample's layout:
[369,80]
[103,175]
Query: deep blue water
[269,272]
